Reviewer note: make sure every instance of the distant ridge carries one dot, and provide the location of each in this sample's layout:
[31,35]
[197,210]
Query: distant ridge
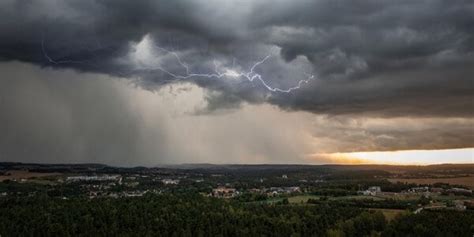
[191,166]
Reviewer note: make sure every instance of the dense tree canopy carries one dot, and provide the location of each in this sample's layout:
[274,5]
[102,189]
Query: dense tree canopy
[195,215]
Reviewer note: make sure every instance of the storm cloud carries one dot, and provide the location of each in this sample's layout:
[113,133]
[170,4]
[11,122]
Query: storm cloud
[97,79]
[387,58]
[62,116]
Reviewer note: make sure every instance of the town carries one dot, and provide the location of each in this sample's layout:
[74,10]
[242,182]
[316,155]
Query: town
[250,200]
[274,184]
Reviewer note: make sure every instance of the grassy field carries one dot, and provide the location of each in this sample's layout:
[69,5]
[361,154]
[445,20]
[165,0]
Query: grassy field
[356,197]
[401,197]
[21,174]
[389,214]
[465,181]
[304,198]
[406,197]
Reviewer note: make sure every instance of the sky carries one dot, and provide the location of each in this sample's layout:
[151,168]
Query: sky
[209,81]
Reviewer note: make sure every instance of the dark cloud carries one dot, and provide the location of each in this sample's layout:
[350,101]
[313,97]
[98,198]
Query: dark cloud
[62,116]
[380,58]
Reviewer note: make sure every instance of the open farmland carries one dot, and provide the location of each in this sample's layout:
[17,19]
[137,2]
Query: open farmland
[389,214]
[21,174]
[304,198]
[465,181]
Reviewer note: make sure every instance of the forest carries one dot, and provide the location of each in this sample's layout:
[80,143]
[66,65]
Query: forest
[191,214]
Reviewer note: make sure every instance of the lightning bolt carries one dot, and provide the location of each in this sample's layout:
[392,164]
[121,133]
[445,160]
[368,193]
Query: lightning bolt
[250,75]
[51,60]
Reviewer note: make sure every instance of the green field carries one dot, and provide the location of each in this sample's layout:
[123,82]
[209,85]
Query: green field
[304,198]
[360,197]
[389,214]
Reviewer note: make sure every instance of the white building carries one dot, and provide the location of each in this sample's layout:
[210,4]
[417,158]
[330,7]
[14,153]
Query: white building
[419,190]
[224,192]
[371,191]
[93,178]
[375,189]
[170,181]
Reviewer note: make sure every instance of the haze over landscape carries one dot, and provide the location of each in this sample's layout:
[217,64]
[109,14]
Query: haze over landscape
[131,83]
